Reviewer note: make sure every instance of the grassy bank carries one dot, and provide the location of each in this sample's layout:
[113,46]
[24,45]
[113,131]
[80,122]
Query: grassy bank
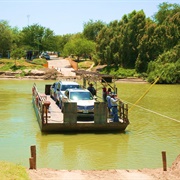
[14,65]
[11,171]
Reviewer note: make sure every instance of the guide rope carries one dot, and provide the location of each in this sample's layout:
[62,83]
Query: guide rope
[173,119]
[144,94]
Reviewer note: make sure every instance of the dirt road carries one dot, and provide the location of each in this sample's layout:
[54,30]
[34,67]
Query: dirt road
[62,65]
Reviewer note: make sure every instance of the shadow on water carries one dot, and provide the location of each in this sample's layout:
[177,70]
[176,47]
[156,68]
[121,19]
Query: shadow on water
[85,119]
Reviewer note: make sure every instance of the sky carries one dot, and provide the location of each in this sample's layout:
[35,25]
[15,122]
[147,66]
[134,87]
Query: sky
[69,16]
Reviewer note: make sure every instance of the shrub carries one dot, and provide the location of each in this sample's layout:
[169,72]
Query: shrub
[118,72]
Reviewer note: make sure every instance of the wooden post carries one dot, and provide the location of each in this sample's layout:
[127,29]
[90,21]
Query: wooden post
[84,82]
[32,160]
[31,163]
[164,160]
[123,111]
[46,106]
[119,110]
[42,113]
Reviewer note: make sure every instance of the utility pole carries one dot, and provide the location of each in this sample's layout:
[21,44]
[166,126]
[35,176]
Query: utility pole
[28,16]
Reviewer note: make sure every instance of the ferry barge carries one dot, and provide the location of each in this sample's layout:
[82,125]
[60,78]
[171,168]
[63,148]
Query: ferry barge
[51,119]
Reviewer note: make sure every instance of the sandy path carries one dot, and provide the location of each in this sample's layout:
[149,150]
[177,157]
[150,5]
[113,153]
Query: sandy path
[48,174]
[62,65]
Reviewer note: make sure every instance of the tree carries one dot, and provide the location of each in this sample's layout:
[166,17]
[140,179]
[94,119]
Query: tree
[118,42]
[157,40]
[166,10]
[17,54]
[101,45]
[78,47]
[6,38]
[167,66]
[132,34]
[61,42]
[48,40]
[91,29]
[38,38]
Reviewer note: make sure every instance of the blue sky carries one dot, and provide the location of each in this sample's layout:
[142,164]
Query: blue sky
[68,16]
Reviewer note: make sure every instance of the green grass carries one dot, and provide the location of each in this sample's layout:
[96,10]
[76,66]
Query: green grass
[85,64]
[10,171]
[14,65]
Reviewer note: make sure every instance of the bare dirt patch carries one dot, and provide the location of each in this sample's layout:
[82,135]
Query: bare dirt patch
[131,80]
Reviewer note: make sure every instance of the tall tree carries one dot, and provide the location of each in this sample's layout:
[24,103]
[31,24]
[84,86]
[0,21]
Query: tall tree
[165,10]
[38,38]
[157,40]
[134,31]
[101,45]
[118,42]
[147,48]
[91,29]
[79,47]
[61,41]
[6,38]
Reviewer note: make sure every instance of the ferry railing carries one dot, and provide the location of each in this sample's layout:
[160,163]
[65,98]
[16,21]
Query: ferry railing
[69,78]
[45,108]
[123,111]
[41,104]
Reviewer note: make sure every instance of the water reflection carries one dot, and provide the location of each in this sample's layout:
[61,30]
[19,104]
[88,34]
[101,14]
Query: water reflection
[85,151]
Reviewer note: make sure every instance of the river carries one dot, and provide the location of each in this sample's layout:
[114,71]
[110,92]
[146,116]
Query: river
[155,127]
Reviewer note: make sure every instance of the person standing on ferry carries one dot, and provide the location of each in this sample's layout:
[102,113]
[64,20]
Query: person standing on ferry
[114,104]
[108,99]
[92,89]
[104,93]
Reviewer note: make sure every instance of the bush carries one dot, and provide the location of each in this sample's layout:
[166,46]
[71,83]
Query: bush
[96,60]
[118,72]
[167,66]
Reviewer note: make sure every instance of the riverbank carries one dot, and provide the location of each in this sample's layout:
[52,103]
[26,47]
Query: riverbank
[172,173]
[42,74]
[53,74]
[57,69]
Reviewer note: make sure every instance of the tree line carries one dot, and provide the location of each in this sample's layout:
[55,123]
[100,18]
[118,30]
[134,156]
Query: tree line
[150,46]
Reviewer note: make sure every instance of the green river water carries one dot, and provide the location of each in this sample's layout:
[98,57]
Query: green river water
[155,127]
